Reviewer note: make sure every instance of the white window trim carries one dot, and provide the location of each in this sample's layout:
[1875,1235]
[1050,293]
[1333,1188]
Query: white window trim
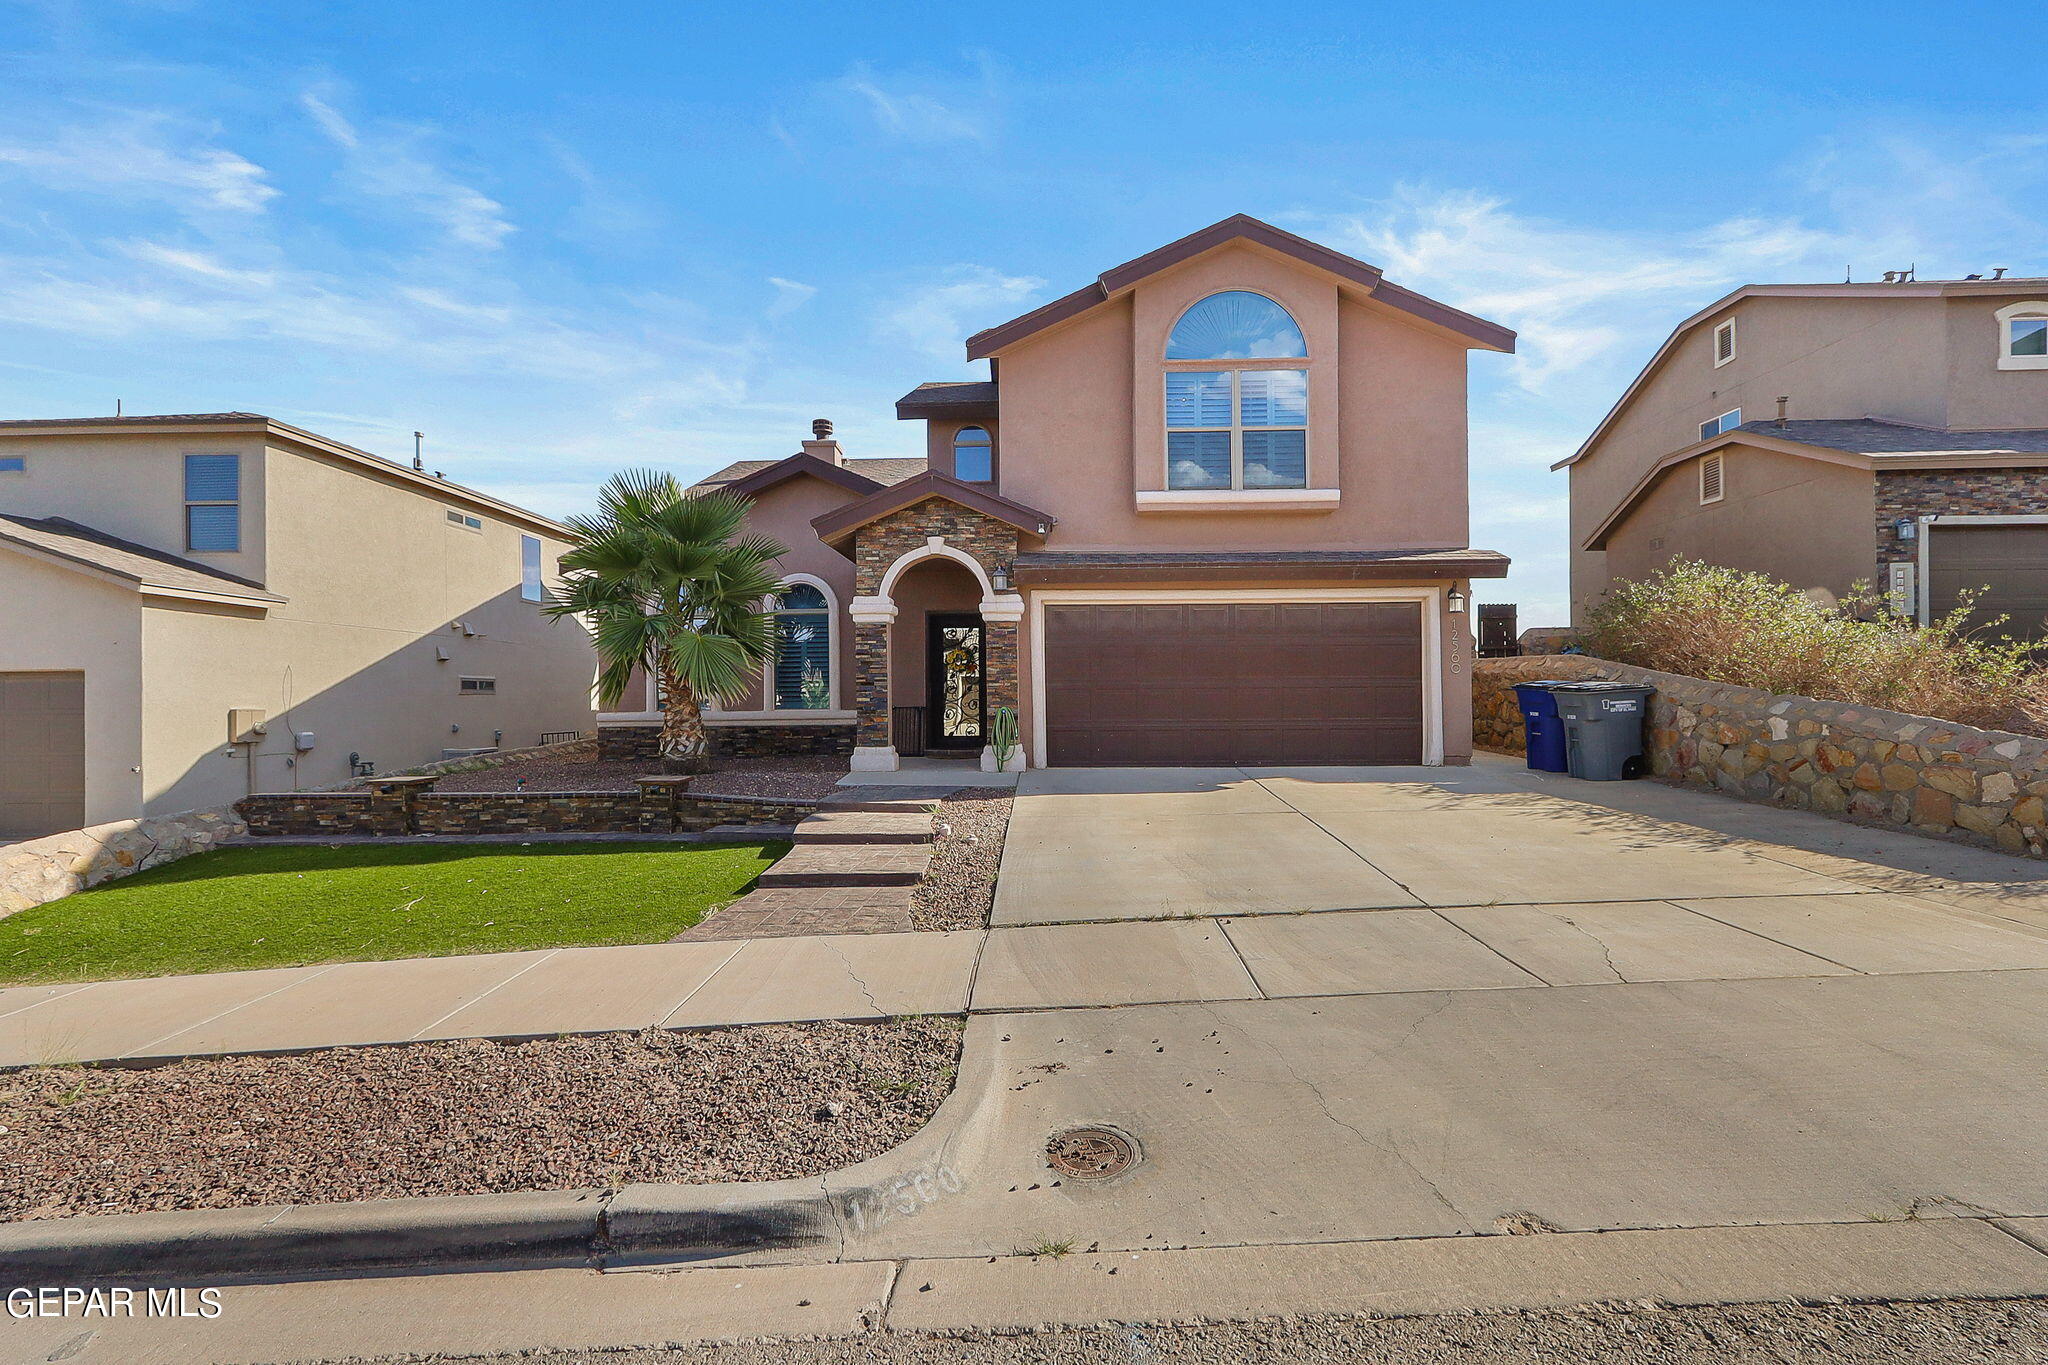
[832,617]
[1430,599]
[1720,467]
[1238,499]
[2031,309]
[1716,421]
[1726,328]
[1237,428]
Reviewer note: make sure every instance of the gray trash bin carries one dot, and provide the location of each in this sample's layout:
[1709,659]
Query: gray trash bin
[1603,728]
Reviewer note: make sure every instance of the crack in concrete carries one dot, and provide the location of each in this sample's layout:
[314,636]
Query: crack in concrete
[1389,1148]
[1606,953]
[857,980]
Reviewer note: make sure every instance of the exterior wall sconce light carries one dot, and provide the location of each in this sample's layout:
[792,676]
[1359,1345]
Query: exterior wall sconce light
[1455,602]
[999,577]
[1907,528]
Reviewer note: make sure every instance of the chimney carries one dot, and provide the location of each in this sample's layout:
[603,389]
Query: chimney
[1783,399]
[823,446]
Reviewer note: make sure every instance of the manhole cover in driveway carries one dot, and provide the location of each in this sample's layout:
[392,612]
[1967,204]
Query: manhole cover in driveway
[1092,1153]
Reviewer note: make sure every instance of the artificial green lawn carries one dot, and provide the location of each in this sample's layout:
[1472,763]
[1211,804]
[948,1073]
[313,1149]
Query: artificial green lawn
[290,905]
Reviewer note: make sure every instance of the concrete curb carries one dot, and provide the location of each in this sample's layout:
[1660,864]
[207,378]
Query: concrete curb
[639,1224]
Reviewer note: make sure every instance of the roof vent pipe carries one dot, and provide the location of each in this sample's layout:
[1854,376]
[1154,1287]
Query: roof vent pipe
[821,428]
[1783,399]
[1998,271]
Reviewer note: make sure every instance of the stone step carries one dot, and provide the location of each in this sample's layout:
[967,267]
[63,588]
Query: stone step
[850,865]
[923,805]
[838,826]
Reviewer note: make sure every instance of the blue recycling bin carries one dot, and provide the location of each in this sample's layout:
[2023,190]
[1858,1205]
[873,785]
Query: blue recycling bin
[1542,727]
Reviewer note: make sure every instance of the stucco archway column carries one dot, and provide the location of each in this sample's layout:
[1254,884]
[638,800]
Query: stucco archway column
[873,750]
[1000,614]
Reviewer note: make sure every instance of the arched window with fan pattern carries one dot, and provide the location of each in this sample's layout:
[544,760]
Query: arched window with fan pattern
[801,674]
[1244,427]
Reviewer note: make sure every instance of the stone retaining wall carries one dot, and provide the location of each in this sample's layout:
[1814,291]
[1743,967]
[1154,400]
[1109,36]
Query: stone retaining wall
[41,870]
[1932,776]
[641,743]
[656,808]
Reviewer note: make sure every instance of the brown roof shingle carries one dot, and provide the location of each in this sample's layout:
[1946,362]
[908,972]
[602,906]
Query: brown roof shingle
[883,469]
[140,564]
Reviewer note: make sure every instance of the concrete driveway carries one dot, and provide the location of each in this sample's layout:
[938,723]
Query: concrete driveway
[1356,1004]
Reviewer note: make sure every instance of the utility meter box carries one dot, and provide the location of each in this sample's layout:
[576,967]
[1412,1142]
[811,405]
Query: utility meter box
[303,740]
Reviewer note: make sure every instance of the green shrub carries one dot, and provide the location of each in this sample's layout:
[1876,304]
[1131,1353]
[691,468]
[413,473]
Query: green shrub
[1749,630]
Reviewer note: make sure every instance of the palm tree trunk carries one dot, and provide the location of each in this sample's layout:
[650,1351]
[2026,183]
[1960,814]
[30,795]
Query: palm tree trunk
[685,747]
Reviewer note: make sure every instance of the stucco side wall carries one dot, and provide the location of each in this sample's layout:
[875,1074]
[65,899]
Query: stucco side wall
[1838,358]
[1980,394]
[133,486]
[1800,521]
[54,620]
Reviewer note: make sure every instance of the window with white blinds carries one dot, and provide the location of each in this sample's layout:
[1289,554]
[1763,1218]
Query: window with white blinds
[213,503]
[1236,429]
[801,675]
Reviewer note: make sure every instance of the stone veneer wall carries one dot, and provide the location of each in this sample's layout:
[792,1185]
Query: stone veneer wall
[1884,767]
[767,740]
[41,870]
[657,810]
[1960,492]
[881,543]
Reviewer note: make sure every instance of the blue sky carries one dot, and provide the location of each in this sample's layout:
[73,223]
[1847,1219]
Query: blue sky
[561,239]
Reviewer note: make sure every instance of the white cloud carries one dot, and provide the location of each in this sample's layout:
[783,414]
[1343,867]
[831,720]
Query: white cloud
[143,156]
[914,115]
[1576,294]
[937,318]
[790,295]
[388,164]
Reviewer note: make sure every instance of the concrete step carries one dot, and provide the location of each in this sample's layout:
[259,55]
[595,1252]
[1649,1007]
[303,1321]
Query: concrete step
[850,865]
[838,826]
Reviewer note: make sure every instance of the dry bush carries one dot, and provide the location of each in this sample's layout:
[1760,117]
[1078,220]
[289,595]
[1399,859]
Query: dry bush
[1751,631]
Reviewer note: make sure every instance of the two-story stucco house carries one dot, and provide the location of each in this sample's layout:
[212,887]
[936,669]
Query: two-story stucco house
[193,608]
[1894,434]
[1209,509]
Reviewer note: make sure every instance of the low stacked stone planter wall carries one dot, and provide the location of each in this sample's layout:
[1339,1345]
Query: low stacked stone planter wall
[643,742]
[1933,776]
[41,870]
[410,806]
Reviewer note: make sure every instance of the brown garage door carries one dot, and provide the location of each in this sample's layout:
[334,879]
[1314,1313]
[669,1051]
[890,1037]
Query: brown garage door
[2008,563]
[42,754]
[1223,684]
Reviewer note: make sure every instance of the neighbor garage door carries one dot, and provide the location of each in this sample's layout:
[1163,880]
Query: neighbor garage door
[2008,563]
[42,754]
[1233,683]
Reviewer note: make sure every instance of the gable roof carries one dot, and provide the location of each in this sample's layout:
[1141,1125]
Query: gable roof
[1912,289]
[872,473]
[288,437]
[840,522]
[153,572]
[1867,444]
[1240,227]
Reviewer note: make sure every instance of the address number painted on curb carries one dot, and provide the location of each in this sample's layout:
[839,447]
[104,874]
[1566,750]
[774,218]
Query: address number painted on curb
[905,1197]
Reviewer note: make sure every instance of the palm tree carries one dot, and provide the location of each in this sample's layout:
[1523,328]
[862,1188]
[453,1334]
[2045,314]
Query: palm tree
[667,583]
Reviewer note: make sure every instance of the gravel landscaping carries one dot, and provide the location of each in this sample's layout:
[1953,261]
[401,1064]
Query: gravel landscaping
[765,1102]
[1962,1332]
[960,888]
[805,777]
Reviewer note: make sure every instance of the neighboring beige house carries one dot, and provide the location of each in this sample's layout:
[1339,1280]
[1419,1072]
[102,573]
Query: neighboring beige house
[1894,434]
[193,608]
[1210,509]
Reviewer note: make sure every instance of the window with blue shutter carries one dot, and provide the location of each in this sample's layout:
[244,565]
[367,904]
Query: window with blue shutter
[803,650]
[213,503]
[529,569]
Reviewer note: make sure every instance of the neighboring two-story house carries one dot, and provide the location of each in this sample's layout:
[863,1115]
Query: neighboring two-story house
[193,608]
[1893,434]
[1209,509]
